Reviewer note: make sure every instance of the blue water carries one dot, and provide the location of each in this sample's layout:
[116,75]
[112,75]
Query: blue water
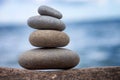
[96,42]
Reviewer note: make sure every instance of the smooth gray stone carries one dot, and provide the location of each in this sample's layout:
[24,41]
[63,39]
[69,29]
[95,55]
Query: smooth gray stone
[45,10]
[56,58]
[49,38]
[46,23]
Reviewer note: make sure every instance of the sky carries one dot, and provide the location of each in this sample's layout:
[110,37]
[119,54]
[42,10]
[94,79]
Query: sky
[21,10]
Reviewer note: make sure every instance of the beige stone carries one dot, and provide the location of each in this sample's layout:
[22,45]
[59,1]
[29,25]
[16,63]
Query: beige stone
[48,38]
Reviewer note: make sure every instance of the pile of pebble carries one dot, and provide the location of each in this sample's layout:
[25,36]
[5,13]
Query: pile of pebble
[48,37]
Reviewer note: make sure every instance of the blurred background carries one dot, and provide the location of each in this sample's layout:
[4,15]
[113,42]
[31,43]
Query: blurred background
[93,26]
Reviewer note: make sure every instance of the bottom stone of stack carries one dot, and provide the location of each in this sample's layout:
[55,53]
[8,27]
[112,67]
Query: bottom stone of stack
[54,58]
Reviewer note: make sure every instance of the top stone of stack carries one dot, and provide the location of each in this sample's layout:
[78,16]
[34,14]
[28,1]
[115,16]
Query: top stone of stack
[45,10]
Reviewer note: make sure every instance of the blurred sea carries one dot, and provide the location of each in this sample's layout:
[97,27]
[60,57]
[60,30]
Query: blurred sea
[97,42]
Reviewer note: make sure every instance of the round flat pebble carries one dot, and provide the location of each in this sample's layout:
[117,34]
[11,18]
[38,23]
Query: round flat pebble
[56,58]
[49,38]
[45,10]
[46,23]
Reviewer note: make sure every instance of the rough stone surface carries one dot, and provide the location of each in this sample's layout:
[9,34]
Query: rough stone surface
[46,23]
[107,73]
[56,58]
[45,10]
[48,38]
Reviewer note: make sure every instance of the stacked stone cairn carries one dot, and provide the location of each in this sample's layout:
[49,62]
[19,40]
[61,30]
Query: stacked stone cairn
[48,38]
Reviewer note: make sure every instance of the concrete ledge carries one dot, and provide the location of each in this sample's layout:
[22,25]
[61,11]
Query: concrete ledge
[103,73]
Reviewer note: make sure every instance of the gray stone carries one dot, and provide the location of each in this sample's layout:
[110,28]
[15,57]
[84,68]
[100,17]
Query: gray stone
[46,23]
[49,38]
[45,10]
[56,58]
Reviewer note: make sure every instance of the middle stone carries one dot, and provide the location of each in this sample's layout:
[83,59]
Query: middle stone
[49,38]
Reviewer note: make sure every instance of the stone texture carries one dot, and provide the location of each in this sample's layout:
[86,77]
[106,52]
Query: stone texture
[103,73]
[45,10]
[56,58]
[46,23]
[48,38]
